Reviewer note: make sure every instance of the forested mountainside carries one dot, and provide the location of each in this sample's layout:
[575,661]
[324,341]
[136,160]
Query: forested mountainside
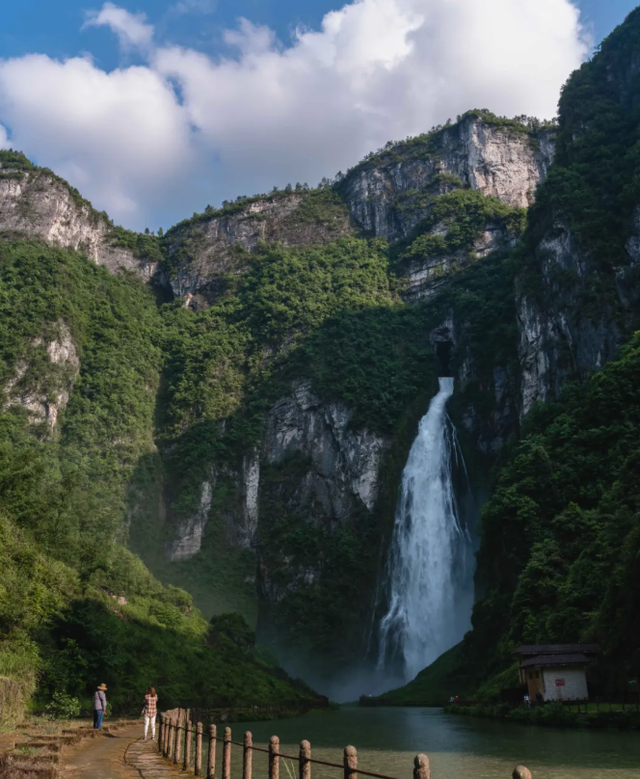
[234,400]
[79,365]
[559,536]
[558,553]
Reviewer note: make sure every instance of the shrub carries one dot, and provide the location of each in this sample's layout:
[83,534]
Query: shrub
[63,706]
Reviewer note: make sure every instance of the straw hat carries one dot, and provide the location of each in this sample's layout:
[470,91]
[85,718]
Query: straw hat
[102,686]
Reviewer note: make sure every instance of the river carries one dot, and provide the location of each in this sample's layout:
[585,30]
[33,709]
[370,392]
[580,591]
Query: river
[387,739]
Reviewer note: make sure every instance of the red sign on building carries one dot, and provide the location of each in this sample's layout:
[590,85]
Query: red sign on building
[559,682]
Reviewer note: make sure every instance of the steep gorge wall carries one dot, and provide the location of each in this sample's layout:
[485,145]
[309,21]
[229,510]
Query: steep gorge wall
[511,327]
[37,204]
[388,195]
[207,254]
[315,482]
[579,285]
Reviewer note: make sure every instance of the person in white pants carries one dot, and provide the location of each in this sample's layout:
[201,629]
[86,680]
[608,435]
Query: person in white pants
[150,712]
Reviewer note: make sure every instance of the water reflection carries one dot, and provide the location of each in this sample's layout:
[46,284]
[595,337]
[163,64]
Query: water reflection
[387,739]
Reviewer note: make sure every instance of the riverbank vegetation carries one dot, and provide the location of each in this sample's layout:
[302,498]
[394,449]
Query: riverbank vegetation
[554,715]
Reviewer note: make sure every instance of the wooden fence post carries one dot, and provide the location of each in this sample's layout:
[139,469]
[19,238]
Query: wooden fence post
[304,771]
[161,734]
[187,746]
[274,757]
[177,752]
[248,753]
[226,754]
[421,768]
[350,763]
[520,772]
[165,737]
[170,742]
[198,766]
[211,763]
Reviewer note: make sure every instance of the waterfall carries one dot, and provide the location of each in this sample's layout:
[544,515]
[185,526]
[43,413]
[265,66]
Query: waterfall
[429,576]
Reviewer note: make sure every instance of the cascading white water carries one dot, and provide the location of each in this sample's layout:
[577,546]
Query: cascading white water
[430,571]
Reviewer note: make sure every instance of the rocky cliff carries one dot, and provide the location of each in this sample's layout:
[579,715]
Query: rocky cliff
[42,380]
[37,204]
[389,193]
[578,284]
[284,420]
[338,469]
[206,253]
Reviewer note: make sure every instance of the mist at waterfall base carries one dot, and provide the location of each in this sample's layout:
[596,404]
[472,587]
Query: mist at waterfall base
[428,582]
[425,596]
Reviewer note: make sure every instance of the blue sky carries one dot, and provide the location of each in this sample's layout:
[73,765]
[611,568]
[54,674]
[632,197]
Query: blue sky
[54,28]
[155,109]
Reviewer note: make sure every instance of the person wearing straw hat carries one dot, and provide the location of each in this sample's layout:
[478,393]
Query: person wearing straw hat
[99,706]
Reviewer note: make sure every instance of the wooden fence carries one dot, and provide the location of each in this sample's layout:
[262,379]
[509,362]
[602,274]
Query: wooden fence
[175,742]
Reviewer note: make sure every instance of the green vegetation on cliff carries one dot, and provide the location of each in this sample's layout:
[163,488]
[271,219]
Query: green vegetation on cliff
[460,218]
[167,407]
[560,535]
[76,607]
[429,144]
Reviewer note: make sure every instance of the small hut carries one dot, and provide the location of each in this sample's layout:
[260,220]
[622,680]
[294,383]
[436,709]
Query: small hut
[556,671]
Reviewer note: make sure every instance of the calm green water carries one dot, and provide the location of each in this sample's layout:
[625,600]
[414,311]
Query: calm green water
[458,747]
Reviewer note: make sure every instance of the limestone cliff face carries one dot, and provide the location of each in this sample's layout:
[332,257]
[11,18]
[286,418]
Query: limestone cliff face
[560,336]
[209,251]
[384,196]
[36,204]
[240,518]
[341,472]
[342,463]
[44,393]
[425,276]
[338,473]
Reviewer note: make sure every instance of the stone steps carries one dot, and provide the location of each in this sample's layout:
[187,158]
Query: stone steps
[38,756]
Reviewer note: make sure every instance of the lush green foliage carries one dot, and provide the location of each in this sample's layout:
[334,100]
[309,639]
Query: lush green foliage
[69,489]
[141,244]
[75,606]
[560,535]
[291,291]
[593,188]
[13,164]
[553,715]
[463,215]
[63,706]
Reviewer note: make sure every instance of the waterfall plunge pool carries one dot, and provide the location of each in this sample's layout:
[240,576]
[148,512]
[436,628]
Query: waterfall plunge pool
[387,740]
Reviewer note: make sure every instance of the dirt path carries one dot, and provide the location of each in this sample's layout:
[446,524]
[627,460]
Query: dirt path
[120,755]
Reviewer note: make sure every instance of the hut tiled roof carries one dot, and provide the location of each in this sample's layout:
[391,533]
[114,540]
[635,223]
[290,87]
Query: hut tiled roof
[558,649]
[577,659]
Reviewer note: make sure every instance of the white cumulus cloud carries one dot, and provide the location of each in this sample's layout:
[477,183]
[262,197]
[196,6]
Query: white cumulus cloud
[4,139]
[131,29]
[161,140]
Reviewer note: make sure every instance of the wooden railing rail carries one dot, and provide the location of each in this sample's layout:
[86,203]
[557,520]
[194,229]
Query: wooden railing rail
[175,741]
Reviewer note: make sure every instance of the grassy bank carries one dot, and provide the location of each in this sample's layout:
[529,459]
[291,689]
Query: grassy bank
[554,715]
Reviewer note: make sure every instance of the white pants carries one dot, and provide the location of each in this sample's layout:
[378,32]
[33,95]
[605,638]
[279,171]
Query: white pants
[147,721]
